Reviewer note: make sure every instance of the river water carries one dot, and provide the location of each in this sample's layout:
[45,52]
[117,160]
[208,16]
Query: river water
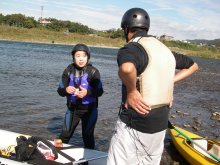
[29,103]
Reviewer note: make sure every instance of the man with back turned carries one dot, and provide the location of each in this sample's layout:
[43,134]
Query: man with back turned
[147,71]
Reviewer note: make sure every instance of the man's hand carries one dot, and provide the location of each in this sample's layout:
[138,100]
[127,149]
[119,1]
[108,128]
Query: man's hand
[136,102]
[128,74]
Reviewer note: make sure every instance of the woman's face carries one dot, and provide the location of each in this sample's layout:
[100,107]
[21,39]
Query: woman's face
[80,58]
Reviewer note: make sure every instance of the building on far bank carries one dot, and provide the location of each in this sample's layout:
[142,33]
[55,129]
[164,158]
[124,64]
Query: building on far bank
[166,37]
[44,21]
[185,41]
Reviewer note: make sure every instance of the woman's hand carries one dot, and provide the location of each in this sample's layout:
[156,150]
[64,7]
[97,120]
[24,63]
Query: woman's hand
[70,89]
[82,92]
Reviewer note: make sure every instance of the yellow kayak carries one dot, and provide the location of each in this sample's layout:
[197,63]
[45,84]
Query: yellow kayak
[193,153]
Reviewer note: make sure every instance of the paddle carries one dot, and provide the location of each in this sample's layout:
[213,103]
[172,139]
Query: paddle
[90,159]
[192,141]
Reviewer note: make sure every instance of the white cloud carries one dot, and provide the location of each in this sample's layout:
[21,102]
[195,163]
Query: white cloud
[186,19]
[181,19]
[97,18]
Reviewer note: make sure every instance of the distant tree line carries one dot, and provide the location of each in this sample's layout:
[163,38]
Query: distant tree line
[189,46]
[20,20]
[215,42]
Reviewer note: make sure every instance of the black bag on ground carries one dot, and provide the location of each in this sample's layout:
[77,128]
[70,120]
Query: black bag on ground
[26,148]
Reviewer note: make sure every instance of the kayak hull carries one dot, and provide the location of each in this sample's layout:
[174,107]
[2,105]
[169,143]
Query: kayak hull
[192,155]
[94,157]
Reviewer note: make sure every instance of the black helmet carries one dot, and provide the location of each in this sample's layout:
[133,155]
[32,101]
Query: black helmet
[135,18]
[81,47]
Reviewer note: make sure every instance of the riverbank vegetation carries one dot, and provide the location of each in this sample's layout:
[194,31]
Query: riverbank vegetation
[205,51]
[17,27]
[46,36]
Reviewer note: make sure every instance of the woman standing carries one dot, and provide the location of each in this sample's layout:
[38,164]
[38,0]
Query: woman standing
[82,86]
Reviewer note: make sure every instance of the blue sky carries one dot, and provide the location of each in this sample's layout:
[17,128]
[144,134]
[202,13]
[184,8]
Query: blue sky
[182,19]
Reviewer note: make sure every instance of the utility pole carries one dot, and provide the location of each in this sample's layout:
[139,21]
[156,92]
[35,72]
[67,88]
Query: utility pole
[41,18]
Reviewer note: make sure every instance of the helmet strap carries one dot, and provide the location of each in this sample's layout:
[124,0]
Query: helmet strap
[126,33]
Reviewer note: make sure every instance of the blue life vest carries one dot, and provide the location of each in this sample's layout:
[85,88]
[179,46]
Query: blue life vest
[80,81]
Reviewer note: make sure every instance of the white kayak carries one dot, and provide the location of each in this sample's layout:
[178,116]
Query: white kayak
[93,157]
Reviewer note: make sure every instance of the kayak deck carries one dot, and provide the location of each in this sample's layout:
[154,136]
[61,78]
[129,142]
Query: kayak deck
[185,148]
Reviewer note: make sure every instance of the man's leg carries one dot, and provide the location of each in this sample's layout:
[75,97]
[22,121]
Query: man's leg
[129,146]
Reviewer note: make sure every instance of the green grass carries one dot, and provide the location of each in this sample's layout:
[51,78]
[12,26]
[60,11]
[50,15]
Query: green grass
[199,53]
[193,49]
[47,36]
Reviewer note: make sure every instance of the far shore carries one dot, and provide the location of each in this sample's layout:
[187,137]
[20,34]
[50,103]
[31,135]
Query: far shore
[60,43]
[36,35]
[202,53]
